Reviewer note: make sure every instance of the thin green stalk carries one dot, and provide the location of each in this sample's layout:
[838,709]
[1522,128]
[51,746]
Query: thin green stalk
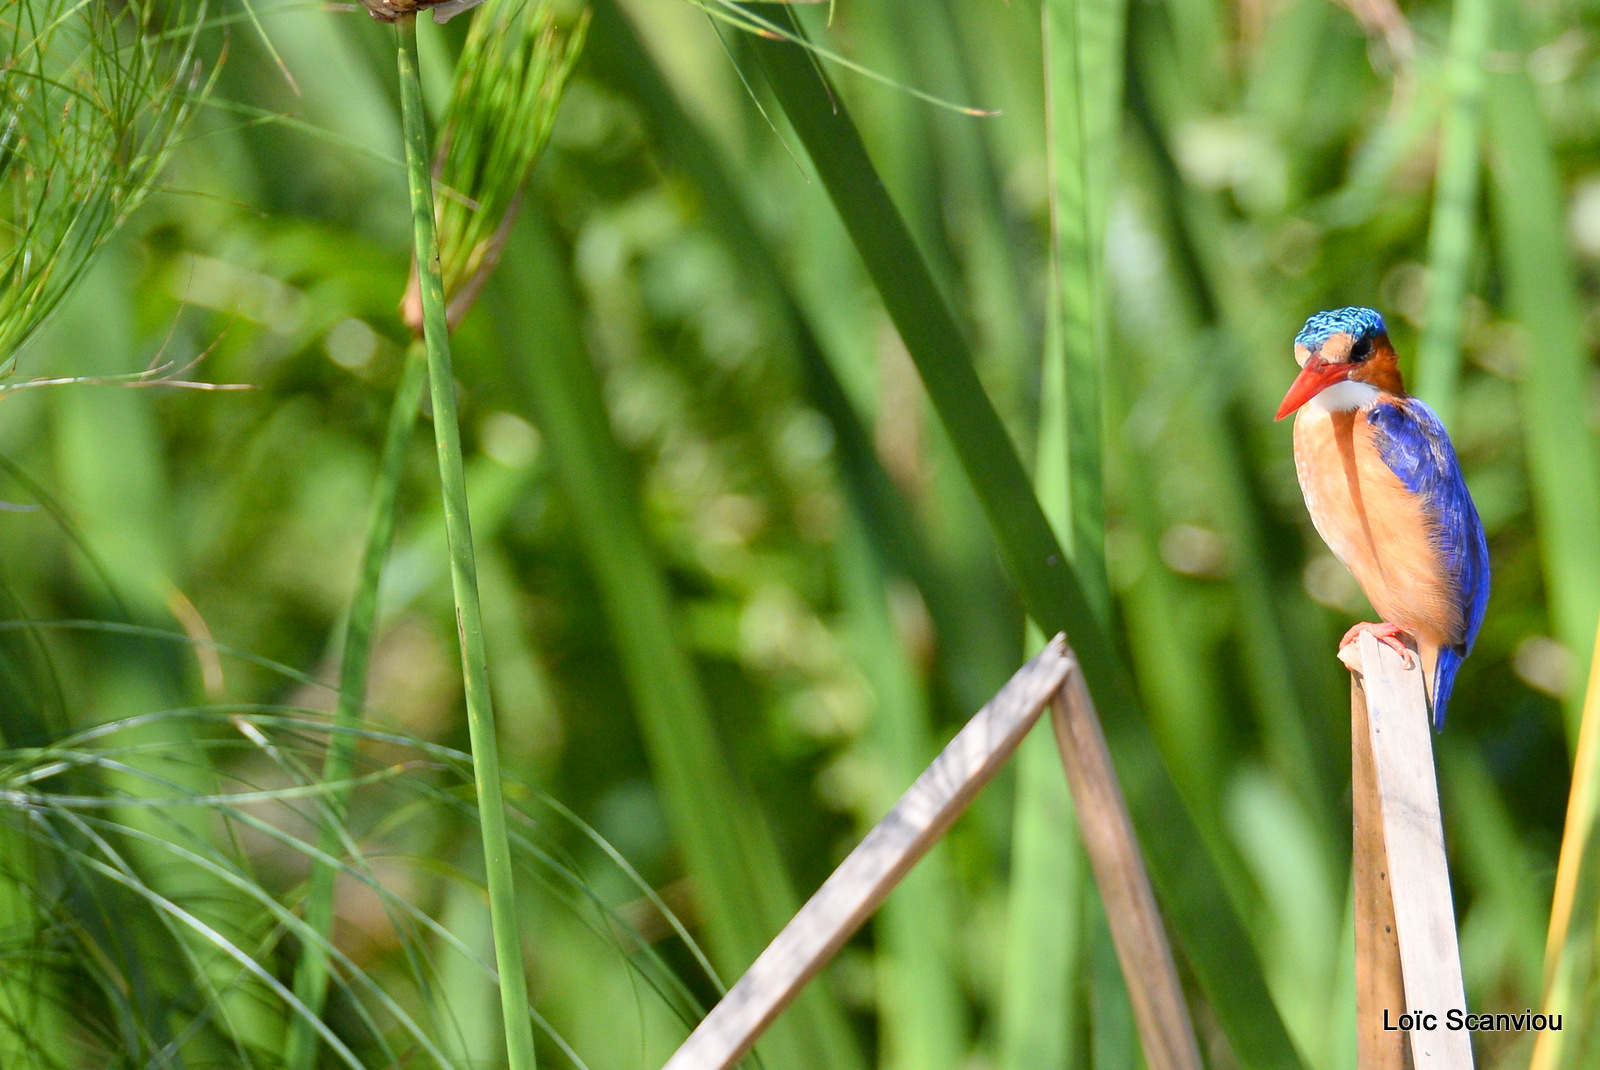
[311,972]
[463,566]
[1185,878]
[1455,204]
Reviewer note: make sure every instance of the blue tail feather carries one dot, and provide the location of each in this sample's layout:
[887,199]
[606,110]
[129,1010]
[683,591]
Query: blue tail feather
[1444,679]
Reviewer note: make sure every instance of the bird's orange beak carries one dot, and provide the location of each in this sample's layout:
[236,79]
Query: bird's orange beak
[1315,377]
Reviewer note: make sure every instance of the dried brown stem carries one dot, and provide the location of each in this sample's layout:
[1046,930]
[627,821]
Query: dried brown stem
[1413,840]
[865,878]
[1159,1009]
[1379,988]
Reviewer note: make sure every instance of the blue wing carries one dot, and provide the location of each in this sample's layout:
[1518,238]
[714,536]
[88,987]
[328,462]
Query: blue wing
[1414,445]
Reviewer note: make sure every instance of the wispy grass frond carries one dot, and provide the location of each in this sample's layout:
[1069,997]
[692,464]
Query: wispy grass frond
[92,98]
[777,29]
[93,864]
[509,80]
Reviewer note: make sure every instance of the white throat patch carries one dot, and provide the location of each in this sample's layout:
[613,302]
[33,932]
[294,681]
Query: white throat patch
[1344,397]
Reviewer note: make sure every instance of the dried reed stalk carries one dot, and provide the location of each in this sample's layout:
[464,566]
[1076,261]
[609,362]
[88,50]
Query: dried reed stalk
[922,815]
[865,878]
[1413,839]
[1108,838]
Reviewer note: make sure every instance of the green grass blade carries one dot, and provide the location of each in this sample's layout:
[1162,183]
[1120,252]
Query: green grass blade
[919,998]
[30,1019]
[1044,579]
[728,848]
[463,567]
[28,983]
[1045,939]
[987,233]
[1083,56]
[1185,878]
[311,972]
[1212,311]
[1455,206]
[1563,463]
[1083,47]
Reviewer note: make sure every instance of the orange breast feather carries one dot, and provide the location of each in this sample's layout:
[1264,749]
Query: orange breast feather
[1377,528]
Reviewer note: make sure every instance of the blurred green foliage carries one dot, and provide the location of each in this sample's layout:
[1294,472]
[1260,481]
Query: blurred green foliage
[730,564]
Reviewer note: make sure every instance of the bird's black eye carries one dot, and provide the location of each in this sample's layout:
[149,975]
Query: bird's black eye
[1361,350]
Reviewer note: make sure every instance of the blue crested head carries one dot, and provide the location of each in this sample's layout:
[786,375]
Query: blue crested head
[1355,321]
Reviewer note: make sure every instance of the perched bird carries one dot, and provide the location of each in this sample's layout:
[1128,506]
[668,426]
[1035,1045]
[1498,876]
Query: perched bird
[1384,489]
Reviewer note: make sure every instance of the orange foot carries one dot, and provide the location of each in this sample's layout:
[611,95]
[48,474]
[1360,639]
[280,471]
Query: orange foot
[1387,634]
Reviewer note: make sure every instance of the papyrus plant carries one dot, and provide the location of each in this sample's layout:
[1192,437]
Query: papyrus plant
[92,97]
[509,80]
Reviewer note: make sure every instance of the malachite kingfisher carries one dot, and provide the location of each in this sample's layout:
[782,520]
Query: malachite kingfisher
[1384,489]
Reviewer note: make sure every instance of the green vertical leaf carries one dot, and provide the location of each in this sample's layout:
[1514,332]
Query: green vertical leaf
[1455,206]
[1082,57]
[498,871]
[1563,463]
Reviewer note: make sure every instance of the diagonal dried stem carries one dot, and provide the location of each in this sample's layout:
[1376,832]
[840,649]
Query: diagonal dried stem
[862,881]
[923,814]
